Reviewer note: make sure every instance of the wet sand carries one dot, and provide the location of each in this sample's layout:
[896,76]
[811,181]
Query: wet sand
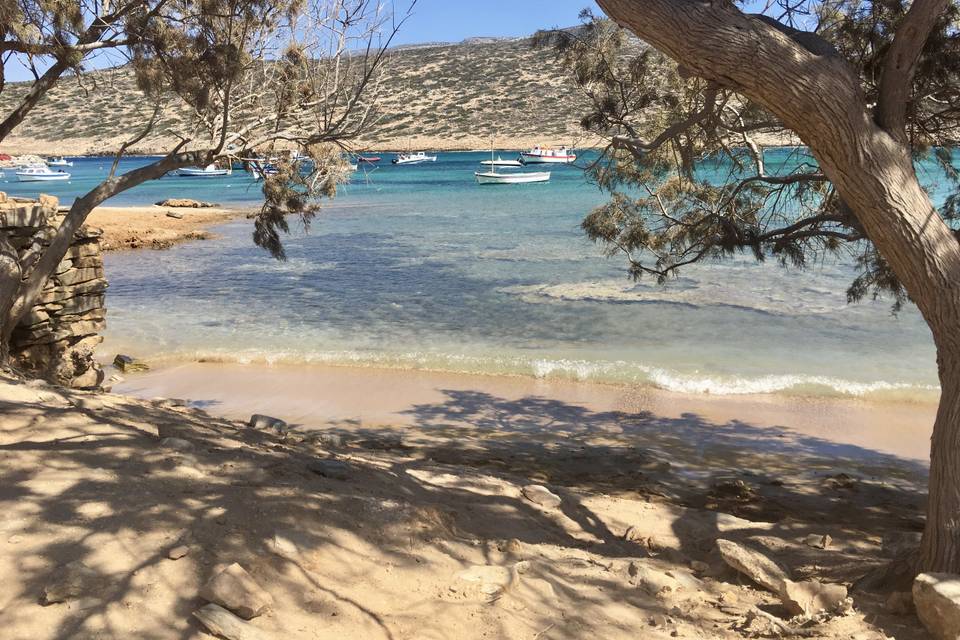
[362,398]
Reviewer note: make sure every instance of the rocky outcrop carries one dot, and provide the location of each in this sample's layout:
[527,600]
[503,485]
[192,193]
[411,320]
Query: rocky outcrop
[937,599]
[57,337]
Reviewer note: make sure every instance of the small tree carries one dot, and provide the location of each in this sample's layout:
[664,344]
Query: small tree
[258,75]
[867,87]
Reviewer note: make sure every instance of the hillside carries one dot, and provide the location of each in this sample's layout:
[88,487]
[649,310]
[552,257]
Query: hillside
[438,96]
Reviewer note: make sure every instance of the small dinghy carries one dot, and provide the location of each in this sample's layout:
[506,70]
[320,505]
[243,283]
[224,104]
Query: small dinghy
[492,177]
[209,171]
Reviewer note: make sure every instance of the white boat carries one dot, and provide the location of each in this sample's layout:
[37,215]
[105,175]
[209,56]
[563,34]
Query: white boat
[59,161]
[209,171]
[500,162]
[492,177]
[40,174]
[413,158]
[540,155]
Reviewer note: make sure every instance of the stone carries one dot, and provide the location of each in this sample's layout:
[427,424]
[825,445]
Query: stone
[493,579]
[818,541]
[259,421]
[329,440]
[177,444]
[178,552]
[77,276]
[900,603]
[236,590]
[176,215]
[936,597]
[224,624]
[70,582]
[651,581]
[542,496]
[699,566]
[756,566]
[185,202]
[129,363]
[335,469]
[811,597]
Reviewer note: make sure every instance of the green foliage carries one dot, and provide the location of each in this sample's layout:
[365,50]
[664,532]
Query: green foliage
[685,164]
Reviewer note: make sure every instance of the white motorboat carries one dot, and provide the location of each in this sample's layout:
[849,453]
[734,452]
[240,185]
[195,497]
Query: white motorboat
[59,161]
[40,174]
[492,177]
[500,162]
[413,158]
[209,171]
[541,155]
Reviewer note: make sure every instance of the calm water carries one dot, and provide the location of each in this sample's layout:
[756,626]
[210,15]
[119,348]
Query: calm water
[419,267]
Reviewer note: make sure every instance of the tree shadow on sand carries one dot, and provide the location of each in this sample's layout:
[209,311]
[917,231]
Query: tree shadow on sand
[86,478]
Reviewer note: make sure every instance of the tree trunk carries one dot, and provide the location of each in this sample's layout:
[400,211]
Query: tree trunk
[940,549]
[816,94]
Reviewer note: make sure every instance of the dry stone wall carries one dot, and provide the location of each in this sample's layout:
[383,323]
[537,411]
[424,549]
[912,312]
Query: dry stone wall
[57,338]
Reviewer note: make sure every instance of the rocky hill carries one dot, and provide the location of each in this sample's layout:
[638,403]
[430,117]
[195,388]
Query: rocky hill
[436,96]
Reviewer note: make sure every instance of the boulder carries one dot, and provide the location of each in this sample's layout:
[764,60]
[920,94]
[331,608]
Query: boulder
[176,215]
[236,590]
[937,599]
[177,444]
[542,496]
[756,566]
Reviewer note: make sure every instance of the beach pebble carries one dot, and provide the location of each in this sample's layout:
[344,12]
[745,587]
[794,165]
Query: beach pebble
[129,363]
[818,541]
[756,566]
[236,590]
[72,581]
[176,215]
[336,469]
[542,496]
[224,624]
[177,444]
[812,597]
[178,552]
[260,421]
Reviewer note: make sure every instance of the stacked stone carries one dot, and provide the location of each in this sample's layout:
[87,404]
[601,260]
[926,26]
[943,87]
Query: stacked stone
[57,338]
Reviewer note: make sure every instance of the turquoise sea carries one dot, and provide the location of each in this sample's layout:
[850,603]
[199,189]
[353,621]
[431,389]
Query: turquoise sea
[420,267]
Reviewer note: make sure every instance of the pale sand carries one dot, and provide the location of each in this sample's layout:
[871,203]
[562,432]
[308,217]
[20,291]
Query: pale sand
[151,227]
[321,396]
[423,532]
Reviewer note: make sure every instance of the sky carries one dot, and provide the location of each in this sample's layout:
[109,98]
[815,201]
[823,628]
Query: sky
[448,21]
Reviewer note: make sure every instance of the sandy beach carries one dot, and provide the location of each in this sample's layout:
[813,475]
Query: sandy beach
[151,227]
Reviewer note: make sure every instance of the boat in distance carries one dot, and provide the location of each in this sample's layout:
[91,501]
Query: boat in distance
[500,162]
[492,177]
[413,158]
[59,161]
[209,171]
[370,159]
[542,155]
[40,174]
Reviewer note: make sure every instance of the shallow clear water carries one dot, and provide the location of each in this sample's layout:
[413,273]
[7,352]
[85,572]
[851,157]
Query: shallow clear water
[418,266]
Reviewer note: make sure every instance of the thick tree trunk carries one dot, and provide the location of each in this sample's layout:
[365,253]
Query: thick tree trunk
[940,549]
[818,95]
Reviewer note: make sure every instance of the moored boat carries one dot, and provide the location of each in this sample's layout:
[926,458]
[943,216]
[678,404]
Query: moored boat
[492,177]
[370,159]
[500,162]
[413,158]
[209,171]
[542,155]
[40,174]
[59,161]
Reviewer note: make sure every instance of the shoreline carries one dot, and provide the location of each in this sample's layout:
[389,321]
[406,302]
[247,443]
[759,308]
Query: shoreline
[320,396]
[150,227]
